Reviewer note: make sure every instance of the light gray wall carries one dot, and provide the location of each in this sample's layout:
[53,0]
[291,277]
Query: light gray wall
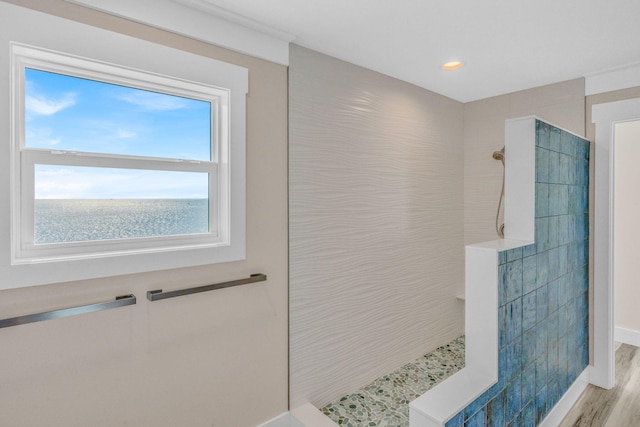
[217,358]
[626,233]
[376,224]
[561,104]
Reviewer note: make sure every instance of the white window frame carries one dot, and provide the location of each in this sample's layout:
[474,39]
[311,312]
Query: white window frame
[25,158]
[36,40]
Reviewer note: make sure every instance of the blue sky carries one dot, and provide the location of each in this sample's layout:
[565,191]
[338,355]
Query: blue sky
[68,113]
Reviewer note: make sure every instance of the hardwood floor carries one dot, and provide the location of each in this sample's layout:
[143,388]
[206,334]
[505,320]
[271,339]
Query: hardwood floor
[618,407]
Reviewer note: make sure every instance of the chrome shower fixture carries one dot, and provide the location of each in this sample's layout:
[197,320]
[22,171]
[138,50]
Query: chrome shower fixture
[499,155]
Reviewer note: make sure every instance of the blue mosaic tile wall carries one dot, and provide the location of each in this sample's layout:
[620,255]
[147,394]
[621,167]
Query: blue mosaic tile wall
[543,295]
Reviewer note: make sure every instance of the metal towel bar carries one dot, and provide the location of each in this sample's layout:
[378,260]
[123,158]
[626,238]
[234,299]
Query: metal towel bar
[158,294]
[120,301]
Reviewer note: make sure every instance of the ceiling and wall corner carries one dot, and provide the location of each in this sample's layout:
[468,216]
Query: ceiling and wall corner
[506,46]
[203,21]
[613,79]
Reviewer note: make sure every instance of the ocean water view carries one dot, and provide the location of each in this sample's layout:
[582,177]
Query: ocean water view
[78,220]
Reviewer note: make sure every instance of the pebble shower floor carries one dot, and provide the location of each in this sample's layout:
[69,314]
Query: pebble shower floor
[385,401]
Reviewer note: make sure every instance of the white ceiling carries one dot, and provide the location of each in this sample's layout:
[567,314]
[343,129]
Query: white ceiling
[507,45]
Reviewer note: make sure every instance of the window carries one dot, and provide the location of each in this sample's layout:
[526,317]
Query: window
[111,164]
[113,159]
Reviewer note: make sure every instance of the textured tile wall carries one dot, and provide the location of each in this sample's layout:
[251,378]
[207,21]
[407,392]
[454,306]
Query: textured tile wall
[543,294]
[376,225]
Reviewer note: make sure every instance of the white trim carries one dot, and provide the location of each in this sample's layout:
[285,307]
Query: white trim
[520,179]
[570,397]
[309,416]
[605,116]
[449,398]
[285,419]
[627,336]
[203,21]
[612,79]
[282,420]
[25,250]
[244,21]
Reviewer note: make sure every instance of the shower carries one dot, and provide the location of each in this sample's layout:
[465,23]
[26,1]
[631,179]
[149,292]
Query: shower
[499,155]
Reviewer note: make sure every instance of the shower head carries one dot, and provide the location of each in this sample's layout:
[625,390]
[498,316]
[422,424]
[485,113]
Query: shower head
[499,155]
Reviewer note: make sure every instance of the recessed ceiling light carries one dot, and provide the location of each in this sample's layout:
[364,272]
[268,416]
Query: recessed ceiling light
[453,65]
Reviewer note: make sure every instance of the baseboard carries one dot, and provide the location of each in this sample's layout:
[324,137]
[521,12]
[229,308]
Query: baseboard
[567,401]
[283,420]
[309,416]
[627,336]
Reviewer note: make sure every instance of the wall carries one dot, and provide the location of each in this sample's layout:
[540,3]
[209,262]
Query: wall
[218,358]
[562,104]
[376,238]
[626,229]
[543,294]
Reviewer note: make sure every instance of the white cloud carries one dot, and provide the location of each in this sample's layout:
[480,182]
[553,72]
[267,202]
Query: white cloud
[66,182]
[44,106]
[125,134]
[60,183]
[41,137]
[152,101]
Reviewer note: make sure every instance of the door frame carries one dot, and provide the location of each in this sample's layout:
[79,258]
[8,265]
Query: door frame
[605,116]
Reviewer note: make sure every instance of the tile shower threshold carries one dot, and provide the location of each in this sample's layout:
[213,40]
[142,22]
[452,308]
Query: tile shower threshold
[385,401]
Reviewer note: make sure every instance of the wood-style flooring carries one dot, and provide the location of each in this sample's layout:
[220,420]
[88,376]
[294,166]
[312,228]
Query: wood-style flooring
[618,407]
